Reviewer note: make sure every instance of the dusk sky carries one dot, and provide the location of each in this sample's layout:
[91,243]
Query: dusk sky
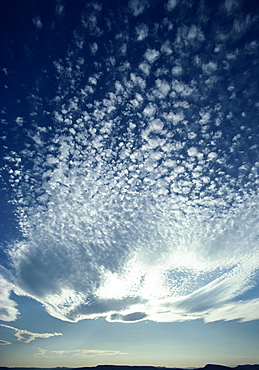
[129,182]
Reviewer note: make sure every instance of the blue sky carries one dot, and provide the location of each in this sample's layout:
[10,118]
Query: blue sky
[129,183]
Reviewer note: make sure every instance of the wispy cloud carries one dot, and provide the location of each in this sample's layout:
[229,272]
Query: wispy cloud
[81,353]
[4,342]
[27,336]
[8,310]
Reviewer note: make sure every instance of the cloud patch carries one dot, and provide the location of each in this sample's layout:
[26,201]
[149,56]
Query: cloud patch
[4,342]
[8,309]
[26,336]
[81,353]
[137,7]
[141,31]
[171,4]
[37,22]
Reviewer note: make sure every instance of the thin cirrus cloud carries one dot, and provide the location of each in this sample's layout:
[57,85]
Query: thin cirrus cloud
[27,336]
[4,342]
[81,353]
[145,199]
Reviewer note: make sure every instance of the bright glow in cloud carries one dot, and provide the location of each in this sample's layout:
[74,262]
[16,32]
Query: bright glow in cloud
[8,310]
[139,199]
[26,336]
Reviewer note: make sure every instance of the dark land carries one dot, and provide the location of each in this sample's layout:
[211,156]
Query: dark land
[125,367]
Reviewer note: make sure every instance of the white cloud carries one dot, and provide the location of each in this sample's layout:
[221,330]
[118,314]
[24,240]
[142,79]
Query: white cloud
[141,31]
[150,110]
[171,4]
[94,48]
[139,201]
[181,88]
[166,48]
[137,7]
[210,303]
[8,310]
[212,155]
[81,353]
[156,125]
[192,151]
[209,68]
[137,80]
[230,6]
[59,8]
[240,310]
[117,260]
[151,55]
[4,342]
[27,336]
[145,68]
[37,22]
[19,121]
[163,86]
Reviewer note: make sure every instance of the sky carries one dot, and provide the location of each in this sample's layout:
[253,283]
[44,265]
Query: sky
[129,182]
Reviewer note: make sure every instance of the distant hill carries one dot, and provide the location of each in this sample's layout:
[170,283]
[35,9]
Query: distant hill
[126,367]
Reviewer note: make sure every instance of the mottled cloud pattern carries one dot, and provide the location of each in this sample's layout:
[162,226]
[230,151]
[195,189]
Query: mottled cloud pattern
[136,189]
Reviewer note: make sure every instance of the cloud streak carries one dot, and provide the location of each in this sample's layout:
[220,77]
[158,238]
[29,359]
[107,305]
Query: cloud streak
[81,353]
[27,336]
[4,342]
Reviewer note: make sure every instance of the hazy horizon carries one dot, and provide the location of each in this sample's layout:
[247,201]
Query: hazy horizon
[213,366]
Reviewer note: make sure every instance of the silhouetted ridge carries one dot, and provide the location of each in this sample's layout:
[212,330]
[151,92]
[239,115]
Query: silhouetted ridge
[128,367]
[125,367]
[247,367]
[215,367]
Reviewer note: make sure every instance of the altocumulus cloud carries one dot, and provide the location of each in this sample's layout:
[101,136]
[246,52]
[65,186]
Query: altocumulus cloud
[131,205]
[27,336]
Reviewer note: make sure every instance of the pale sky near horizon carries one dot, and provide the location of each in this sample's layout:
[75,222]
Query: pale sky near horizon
[129,182]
